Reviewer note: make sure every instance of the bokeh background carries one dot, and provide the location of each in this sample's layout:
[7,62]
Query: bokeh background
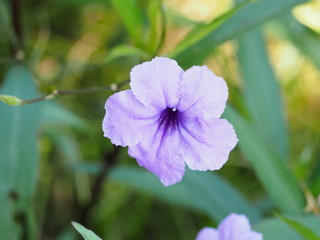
[56,166]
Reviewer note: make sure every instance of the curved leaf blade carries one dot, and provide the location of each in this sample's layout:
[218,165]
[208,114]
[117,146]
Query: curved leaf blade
[276,229]
[261,92]
[248,17]
[305,232]
[278,180]
[85,233]
[202,191]
[18,134]
[202,30]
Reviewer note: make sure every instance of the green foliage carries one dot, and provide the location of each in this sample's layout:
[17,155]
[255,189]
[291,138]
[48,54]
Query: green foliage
[8,228]
[132,18]
[85,233]
[276,229]
[204,192]
[289,28]
[203,30]
[18,130]
[121,51]
[261,92]
[250,16]
[276,177]
[98,46]
[305,232]
[10,100]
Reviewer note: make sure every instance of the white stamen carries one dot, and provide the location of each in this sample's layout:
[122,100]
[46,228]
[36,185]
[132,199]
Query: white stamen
[174,109]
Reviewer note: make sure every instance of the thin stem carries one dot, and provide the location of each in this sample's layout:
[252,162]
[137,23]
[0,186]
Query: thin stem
[56,93]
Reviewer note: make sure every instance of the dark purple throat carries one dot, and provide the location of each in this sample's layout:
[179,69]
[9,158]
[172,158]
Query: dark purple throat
[169,119]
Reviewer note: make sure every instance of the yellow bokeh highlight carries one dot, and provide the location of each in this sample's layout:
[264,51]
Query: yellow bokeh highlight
[309,14]
[200,10]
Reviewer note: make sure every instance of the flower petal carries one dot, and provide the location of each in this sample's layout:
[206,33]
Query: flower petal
[127,120]
[207,233]
[156,82]
[158,152]
[202,94]
[237,227]
[206,144]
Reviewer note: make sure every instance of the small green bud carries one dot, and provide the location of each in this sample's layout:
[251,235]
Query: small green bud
[10,100]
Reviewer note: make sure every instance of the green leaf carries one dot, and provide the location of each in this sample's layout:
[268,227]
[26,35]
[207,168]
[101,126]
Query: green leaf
[301,36]
[248,17]
[55,114]
[122,50]
[18,131]
[132,18]
[261,92]
[276,229]
[154,16]
[8,227]
[202,191]
[85,233]
[203,30]
[4,18]
[10,100]
[305,232]
[18,139]
[272,172]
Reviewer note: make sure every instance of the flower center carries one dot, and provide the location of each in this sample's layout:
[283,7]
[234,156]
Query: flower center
[169,119]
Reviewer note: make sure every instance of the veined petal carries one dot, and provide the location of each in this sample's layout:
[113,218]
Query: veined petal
[156,82]
[202,94]
[206,144]
[159,153]
[208,233]
[237,227]
[127,120]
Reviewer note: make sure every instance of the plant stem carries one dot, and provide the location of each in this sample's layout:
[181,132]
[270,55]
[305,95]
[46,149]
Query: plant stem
[55,93]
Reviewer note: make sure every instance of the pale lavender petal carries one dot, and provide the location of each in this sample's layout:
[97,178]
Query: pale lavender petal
[202,94]
[237,227]
[159,153]
[156,82]
[207,233]
[206,144]
[127,121]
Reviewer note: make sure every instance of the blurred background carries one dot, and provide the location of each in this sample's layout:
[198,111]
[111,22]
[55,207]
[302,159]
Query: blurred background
[56,166]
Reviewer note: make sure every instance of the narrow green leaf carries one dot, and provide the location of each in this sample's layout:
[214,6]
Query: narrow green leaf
[85,233]
[10,100]
[4,17]
[18,130]
[276,229]
[289,28]
[299,228]
[6,28]
[203,30]
[18,139]
[8,227]
[248,17]
[261,92]
[154,17]
[202,191]
[122,50]
[272,172]
[132,18]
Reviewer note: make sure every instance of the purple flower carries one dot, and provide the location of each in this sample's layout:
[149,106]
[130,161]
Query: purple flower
[171,117]
[233,227]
